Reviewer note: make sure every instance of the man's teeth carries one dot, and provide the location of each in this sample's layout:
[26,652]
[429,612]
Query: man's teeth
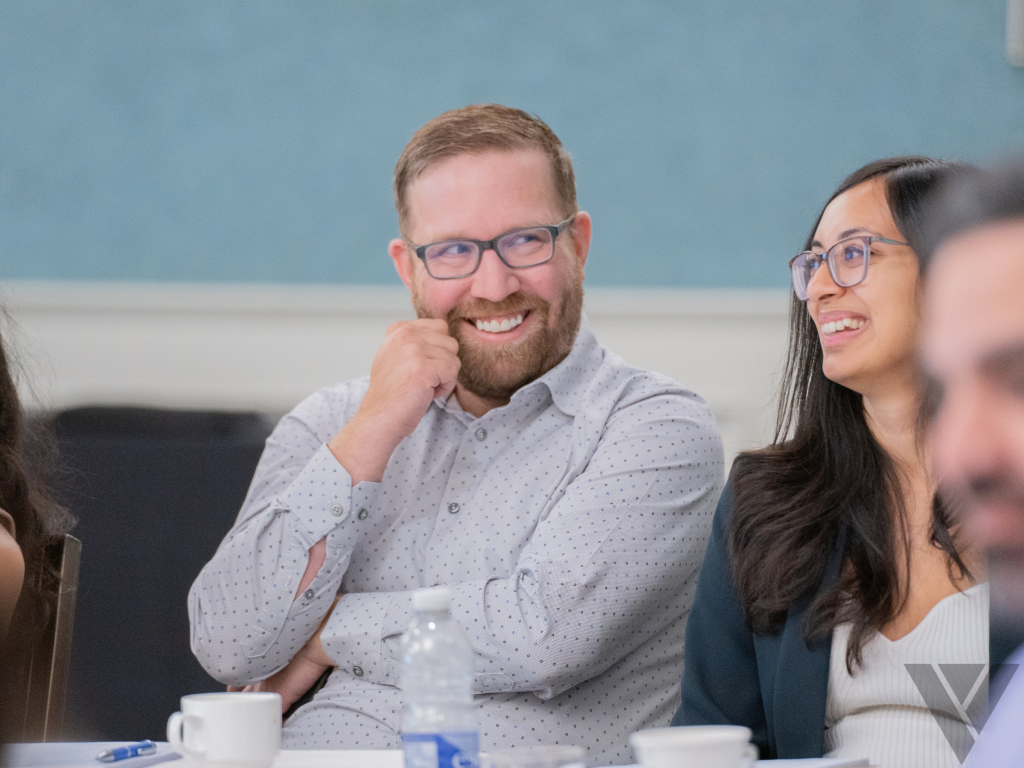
[841,325]
[499,326]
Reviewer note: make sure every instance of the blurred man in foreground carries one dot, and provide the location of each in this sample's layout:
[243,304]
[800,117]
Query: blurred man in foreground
[496,448]
[973,346]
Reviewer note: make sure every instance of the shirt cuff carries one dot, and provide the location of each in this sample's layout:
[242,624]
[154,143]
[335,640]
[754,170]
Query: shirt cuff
[354,635]
[322,497]
[363,637]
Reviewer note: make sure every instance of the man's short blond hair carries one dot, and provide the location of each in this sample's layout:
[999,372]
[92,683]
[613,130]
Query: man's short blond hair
[474,130]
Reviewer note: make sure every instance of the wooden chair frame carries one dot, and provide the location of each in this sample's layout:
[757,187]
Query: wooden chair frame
[47,667]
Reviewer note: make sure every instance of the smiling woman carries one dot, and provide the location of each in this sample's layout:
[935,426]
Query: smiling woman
[834,562]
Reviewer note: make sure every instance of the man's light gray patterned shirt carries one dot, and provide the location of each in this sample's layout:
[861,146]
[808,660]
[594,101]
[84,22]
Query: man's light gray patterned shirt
[570,525]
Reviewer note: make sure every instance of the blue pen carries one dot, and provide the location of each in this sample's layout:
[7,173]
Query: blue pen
[146,747]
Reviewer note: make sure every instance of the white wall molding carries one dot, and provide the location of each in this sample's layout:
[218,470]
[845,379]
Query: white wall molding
[266,347]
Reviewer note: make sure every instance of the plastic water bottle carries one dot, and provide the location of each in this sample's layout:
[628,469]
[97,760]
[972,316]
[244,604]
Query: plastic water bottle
[439,728]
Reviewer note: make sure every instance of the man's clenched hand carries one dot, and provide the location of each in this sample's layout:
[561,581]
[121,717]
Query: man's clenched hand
[417,363]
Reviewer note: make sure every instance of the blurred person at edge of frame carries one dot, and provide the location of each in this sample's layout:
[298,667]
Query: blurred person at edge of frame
[834,561]
[972,346]
[27,516]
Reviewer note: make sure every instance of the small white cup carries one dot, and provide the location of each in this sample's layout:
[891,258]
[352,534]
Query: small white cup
[227,730]
[695,746]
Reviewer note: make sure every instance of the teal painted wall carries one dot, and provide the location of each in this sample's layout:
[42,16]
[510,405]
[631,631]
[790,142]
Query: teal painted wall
[201,140]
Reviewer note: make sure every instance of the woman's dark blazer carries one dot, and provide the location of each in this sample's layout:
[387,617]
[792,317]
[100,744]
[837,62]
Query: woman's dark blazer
[774,685]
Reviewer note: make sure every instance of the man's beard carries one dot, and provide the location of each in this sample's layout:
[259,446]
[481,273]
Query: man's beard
[1005,559]
[495,371]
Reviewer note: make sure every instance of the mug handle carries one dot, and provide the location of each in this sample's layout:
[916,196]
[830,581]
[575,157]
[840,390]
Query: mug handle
[174,724]
[750,756]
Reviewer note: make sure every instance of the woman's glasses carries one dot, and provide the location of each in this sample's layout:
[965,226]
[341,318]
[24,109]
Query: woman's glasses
[847,262]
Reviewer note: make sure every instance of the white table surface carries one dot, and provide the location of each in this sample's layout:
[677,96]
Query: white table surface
[82,754]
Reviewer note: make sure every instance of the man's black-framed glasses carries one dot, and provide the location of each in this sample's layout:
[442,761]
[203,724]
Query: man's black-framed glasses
[518,249]
[847,262]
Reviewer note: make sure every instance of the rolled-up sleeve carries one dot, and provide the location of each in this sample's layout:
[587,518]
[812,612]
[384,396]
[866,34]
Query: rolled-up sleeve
[246,619]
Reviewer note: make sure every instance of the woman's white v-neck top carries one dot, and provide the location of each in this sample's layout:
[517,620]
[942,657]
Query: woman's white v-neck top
[880,713]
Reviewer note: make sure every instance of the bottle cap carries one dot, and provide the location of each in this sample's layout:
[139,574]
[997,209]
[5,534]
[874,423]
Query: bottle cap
[431,599]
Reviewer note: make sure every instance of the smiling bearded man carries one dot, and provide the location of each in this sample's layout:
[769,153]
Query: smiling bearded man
[563,496]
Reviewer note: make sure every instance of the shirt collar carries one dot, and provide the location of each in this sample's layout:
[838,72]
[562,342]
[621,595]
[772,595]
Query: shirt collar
[569,380]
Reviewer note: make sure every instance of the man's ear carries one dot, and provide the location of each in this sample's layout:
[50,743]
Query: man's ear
[399,252]
[581,231]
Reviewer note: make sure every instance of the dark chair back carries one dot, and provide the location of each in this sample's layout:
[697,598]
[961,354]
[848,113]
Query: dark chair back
[154,492]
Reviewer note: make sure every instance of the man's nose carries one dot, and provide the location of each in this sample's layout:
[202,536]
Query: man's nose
[493,279]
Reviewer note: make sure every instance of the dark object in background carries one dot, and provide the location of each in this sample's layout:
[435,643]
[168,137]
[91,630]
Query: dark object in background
[1004,639]
[154,492]
[35,688]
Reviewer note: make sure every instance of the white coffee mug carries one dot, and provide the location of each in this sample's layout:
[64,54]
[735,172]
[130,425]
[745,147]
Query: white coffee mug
[233,730]
[695,746]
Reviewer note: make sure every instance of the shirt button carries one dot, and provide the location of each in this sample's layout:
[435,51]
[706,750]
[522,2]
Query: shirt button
[363,514]
[453,508]
[357,671]
[336,510]
[309,594]
[481,434]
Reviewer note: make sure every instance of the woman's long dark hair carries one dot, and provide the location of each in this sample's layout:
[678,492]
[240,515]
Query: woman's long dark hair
[25,457]
[826,481]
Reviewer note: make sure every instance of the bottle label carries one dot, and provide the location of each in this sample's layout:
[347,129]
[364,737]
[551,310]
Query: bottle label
[441,750]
